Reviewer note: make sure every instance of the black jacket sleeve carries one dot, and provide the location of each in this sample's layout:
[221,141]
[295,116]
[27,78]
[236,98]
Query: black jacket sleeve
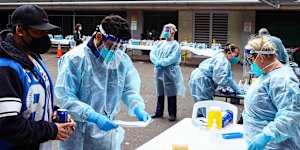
[20,131]
[16,129]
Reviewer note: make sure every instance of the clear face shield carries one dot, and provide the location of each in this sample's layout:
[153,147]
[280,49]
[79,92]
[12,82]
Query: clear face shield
[166,32]
[110,49]
[251,57]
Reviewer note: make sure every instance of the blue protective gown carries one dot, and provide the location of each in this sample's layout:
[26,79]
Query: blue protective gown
[166,56]
[84,84]
[272,106]
[212,72]
[281,52]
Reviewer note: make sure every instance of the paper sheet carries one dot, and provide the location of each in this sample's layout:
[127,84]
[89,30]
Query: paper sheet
[133,124]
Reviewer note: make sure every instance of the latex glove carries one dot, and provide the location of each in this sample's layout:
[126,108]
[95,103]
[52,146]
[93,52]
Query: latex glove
[101,121]
[241,92]
[259,142]
[141,114]
[158,66]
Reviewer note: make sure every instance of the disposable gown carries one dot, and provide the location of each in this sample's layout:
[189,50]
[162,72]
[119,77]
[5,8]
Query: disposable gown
[281,52]
[84,84]
[211,73]
[272,106]
[166,56]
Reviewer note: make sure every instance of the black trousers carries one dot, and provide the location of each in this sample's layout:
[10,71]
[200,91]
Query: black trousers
[172,105]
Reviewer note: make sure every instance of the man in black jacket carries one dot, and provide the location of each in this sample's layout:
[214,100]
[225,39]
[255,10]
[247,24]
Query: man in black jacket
[26,90]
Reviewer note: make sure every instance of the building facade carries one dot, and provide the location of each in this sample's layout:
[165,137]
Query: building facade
[203,21]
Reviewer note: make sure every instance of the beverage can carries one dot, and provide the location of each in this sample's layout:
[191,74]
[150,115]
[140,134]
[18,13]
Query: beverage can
[62,115]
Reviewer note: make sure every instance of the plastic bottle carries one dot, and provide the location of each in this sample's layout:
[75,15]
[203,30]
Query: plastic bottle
[227,117]
[214,115]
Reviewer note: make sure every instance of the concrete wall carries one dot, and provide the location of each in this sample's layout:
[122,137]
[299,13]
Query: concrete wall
[248,17]
[236,22]
[185,26]
[234,27]
[241,24]
[238,25]
[136,20]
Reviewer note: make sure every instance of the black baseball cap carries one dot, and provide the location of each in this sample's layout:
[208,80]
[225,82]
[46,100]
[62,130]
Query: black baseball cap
[32,16]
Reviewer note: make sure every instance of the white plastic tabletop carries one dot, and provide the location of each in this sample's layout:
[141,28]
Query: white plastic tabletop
[62,41]
[201,52]
[139,47]
[185,133]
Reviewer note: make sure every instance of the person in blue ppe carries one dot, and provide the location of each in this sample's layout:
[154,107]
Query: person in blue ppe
[92,81]
[281,52]
[166,57]
[272,103]
[213,72]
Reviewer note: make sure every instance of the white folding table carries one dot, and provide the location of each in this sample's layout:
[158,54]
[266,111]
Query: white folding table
[207,52]
[197,138]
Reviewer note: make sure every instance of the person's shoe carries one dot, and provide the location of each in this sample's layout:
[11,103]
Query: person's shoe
[156,116]
[172,118]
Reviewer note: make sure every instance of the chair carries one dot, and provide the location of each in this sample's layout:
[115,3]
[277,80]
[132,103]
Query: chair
[208,103]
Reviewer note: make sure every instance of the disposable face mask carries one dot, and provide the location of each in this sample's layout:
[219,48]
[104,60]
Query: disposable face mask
[256,70]
[165,35]
[107,55]
[39,45]
[234,60]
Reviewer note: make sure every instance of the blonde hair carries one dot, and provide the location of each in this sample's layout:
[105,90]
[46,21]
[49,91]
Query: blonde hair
[261,43]
[172,26]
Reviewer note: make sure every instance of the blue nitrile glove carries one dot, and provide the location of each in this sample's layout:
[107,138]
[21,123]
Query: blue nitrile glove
[259,142]
[241,92]
[101,121]
[141,114]
[158,66]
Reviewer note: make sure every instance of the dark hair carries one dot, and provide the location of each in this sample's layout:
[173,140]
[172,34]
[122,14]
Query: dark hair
[77,26]
[117,26]
[229,47]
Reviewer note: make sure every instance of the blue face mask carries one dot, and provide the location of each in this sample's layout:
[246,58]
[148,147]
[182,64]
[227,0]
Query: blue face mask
[107,55]
[234,60]
[256,70]
[165,35]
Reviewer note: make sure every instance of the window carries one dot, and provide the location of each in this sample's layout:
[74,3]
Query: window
[209,26]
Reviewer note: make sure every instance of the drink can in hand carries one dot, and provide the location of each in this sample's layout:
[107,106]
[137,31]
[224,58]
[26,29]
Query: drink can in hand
[62,115]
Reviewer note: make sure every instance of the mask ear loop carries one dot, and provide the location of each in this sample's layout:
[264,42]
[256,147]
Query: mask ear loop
[229,49]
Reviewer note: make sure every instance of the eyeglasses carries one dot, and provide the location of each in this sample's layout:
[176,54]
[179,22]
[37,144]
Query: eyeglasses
[250,55]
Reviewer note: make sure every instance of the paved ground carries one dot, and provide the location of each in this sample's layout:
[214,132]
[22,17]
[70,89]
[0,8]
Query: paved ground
[137,136]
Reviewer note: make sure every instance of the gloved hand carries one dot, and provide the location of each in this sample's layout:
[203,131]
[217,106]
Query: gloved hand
[158,66]
[157,63]
[259,142]
[101,121]
[141,114]
[241,92]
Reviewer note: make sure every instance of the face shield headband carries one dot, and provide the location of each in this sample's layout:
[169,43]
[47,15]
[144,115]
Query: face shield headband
[110,42]
[250,53]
